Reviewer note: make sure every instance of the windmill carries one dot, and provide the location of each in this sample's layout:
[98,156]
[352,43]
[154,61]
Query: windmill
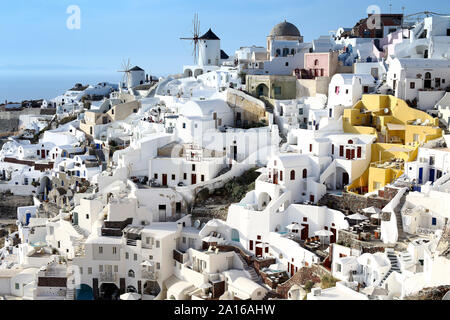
[126,71]
[195,36]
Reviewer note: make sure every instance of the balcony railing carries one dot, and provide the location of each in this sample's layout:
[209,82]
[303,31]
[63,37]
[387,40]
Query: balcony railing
[108,276]
[149,275]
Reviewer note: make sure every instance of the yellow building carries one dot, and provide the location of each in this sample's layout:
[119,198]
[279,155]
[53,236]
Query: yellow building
[399,129]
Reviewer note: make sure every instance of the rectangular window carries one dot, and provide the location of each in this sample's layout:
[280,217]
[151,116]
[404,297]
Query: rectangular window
[184,239]
[277,90]
[433,221]
[100,250]
[114,250]
[89,270]
[412,85]
[147,240]
[158,265]
[81,270]
[185,176]
[203,177]
[127,255]
[193,167]
[157,243]
[173,177]
[155,176]
[17,286]
[135,256]
[100,268]
[116,268]
[341,151]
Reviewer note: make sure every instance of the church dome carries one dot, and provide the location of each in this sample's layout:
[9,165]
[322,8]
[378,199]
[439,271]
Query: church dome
[284,29]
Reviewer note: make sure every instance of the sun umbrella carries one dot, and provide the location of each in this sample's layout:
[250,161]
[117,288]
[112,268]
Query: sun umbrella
[294,226]
[323,233]
[39,244]
[213,223]
[211,239]
[147,263]
[357,216]
[375,216]
[371,210]
[130,296]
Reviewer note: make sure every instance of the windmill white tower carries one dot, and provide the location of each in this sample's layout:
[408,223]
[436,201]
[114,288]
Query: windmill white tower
[132,77]
[209,49]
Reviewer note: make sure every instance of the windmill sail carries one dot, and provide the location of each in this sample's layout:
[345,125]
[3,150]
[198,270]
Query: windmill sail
[195,37]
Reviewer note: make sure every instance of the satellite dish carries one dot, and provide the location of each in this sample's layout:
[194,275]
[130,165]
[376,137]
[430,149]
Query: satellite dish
[386,110]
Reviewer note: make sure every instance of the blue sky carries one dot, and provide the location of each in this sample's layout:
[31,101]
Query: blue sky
[40,56]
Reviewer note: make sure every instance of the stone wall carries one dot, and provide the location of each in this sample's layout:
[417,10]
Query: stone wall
[9,204]
[252,110]
[351,203]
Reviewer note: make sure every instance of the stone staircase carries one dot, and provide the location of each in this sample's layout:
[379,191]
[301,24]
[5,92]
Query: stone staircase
[70,294]
[394,265]
[253,275]
[80,231]
[398,214]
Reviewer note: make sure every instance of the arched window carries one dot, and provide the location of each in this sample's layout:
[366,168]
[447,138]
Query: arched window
[427,75]
[292,174]
[305,173]
[131,273]
[350,141]
[316,62]
[131,289]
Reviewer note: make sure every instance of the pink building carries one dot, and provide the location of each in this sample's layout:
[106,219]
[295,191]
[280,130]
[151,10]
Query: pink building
[321,64]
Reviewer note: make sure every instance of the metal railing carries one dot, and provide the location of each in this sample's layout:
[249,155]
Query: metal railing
[108,276]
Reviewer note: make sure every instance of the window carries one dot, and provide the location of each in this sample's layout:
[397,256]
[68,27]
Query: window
[412,85]
[173,177]
[100,250]
[305,219]
[316,62]
[81,270]
[155,176]
[305,173]
[17,286]
[150,257]
[258,237]
[287,64]
[185,176]
[131,273]
[184,125]
[147,240]
[116,268]
[433,221]
[100,268]
[87,216]
[281,175]
[277,90]
[127,255]
[336,90]
[184,239]
[193,167]
[135,256]
[310,147]
[89,270]
[158,265]
[341,151]
[338,267]
[292,174]
[114,250]
[134,110]
[202,177]
[157,243]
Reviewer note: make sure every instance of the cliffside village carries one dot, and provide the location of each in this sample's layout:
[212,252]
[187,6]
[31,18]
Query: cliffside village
[347,136]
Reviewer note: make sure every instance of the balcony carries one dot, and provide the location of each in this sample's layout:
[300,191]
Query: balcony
[178,256]
[108,276]
[149,275]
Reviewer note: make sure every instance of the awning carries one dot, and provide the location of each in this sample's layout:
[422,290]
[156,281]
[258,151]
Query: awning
[395,126]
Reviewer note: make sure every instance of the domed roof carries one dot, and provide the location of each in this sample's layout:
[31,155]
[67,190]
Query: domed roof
[284,29]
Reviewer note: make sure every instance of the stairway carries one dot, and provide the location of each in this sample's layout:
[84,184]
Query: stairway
[398,214]
[253,275]
[394,266]
[79,230]
[70,294]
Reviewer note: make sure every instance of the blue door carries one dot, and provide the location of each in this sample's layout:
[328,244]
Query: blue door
[431,175]
[420,174]
[27,218]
